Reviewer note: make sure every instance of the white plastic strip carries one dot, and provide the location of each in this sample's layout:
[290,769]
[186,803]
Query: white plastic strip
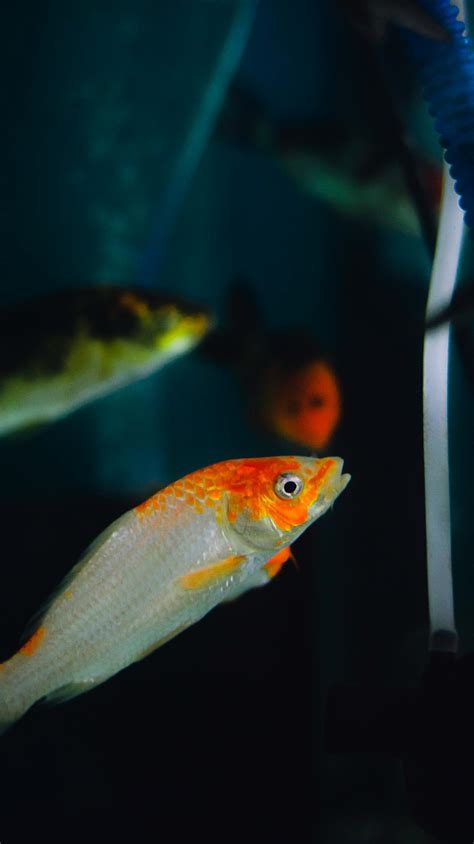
[435,419]
[435,416]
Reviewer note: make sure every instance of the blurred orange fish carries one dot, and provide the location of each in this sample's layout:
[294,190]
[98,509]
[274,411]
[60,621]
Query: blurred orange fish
[304,405]
[292,389]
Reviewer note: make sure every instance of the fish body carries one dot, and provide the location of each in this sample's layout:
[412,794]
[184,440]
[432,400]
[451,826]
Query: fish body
[162,566]
[334,163]
[291,387]
[347,182]
[62,351]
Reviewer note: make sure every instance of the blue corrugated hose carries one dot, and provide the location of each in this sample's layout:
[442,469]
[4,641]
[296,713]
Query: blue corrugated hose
[447,74]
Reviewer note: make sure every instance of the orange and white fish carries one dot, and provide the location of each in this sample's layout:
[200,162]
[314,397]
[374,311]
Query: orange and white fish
[162,566]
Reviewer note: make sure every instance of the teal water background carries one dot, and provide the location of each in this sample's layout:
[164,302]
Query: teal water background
[99,104]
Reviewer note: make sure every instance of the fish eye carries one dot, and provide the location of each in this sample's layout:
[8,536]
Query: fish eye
[316,401]
[288,485]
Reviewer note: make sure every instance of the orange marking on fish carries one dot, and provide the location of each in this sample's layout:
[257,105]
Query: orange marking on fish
[278,560]
[209,575]
[134,305]
[244,485]
[251,486]
[147,507]
[156,502]
[248,484]
[34,642]
[68,593]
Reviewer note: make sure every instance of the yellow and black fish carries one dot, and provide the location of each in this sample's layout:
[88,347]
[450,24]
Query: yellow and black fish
[66,349]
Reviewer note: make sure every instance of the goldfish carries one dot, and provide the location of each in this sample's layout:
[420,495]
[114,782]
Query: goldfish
[164,565]
[66,349]
[333,162]
[293,390]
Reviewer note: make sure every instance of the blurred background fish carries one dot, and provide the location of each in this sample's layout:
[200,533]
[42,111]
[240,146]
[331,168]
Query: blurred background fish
[334,162]
[291,388]
[459,310]
[62,351]
[373,16]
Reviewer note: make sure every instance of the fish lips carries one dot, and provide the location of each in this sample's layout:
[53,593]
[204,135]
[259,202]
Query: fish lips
[335,484]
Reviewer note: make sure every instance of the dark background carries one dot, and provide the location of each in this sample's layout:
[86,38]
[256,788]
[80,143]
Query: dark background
[220,732]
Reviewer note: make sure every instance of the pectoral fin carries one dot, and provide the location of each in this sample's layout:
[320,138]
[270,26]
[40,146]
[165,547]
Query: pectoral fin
[211,575]
[263,576]
[274,565]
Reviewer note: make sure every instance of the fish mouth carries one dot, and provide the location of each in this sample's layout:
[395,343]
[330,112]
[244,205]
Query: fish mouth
[337,482]
[340,481]
[187,333]
[334,483]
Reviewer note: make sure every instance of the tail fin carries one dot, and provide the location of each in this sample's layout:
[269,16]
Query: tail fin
[246,121]
[13,705]
[241,331]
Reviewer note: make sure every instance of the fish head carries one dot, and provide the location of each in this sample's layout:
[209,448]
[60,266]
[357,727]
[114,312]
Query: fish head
[165,324]
[306,405]
[271,501]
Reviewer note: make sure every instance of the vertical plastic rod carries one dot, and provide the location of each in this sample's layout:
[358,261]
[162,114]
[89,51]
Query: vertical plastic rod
[435,419]
[435,414]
